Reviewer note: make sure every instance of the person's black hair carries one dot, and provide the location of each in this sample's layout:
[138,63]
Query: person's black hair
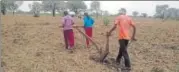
[65,13]
[86,14]
[123,10]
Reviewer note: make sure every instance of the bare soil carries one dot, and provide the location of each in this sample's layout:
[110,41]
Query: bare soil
[37,45]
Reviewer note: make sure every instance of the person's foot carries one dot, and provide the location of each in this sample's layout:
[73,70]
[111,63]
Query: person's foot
[88,46]
[127,68]
[71,49]
[66,47]
[118,65]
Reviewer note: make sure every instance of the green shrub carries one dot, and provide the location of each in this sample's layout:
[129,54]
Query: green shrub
[106,21]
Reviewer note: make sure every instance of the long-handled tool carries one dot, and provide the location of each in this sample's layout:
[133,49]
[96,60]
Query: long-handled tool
[106,51]
[90,39]
[102,54]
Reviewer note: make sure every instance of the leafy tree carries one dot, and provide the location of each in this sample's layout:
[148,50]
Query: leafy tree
[106,13]
[95,6]
[12,6]
[144,15]
[164,12]
[3,7]
[160,9]
[172,13]
[53,6]
[46,6]
[177,14]
[20,11]
[61,6]
[135,13]
[76,6]
[35,8]
[120,10]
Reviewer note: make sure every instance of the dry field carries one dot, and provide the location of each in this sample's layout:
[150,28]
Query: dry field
[37,45]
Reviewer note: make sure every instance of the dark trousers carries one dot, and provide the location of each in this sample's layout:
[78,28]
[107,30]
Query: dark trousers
[123,52]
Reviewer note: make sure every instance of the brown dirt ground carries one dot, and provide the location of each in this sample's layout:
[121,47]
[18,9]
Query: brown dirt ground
[37,45]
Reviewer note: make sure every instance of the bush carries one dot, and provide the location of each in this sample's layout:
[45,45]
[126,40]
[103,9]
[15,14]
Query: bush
[106,21]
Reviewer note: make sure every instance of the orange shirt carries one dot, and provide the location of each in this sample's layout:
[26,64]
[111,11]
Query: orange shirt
[124,23]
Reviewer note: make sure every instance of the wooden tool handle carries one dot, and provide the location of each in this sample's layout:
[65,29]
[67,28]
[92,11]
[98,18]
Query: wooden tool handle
[90,39]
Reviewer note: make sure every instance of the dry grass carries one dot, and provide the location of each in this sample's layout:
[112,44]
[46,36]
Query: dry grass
[36,45]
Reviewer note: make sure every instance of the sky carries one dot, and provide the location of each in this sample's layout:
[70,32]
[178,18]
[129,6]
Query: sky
[113,6]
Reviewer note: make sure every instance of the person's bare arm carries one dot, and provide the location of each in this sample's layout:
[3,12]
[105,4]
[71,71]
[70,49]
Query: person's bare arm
[74,25]
[112,29]
[63,22]
[134,32]
[73,21]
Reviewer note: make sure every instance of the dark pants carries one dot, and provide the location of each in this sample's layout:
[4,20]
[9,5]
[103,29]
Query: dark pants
[123,52]
[69,38]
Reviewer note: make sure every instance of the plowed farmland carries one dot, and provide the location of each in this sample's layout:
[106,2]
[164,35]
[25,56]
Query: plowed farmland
[32,44]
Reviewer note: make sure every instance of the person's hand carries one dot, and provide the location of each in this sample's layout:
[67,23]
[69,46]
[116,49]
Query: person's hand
[75,26]
[133,39]
[60,26]
[108,34]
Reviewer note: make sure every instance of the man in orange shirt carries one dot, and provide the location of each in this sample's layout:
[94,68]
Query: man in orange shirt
[123,23]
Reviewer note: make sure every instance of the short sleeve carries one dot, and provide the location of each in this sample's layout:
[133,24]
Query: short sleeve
[84,20]
[132,22]
[63,21]
[72,20]
[92,20]
[116,21]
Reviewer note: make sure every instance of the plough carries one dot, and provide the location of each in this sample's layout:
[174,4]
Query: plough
[102,54]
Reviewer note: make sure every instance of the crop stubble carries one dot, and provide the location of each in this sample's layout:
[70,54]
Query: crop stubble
[37,45]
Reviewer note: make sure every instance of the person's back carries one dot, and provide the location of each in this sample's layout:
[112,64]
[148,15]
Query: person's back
[68,22]
[124,23]
[88,21]
[88,26]
[68,30]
